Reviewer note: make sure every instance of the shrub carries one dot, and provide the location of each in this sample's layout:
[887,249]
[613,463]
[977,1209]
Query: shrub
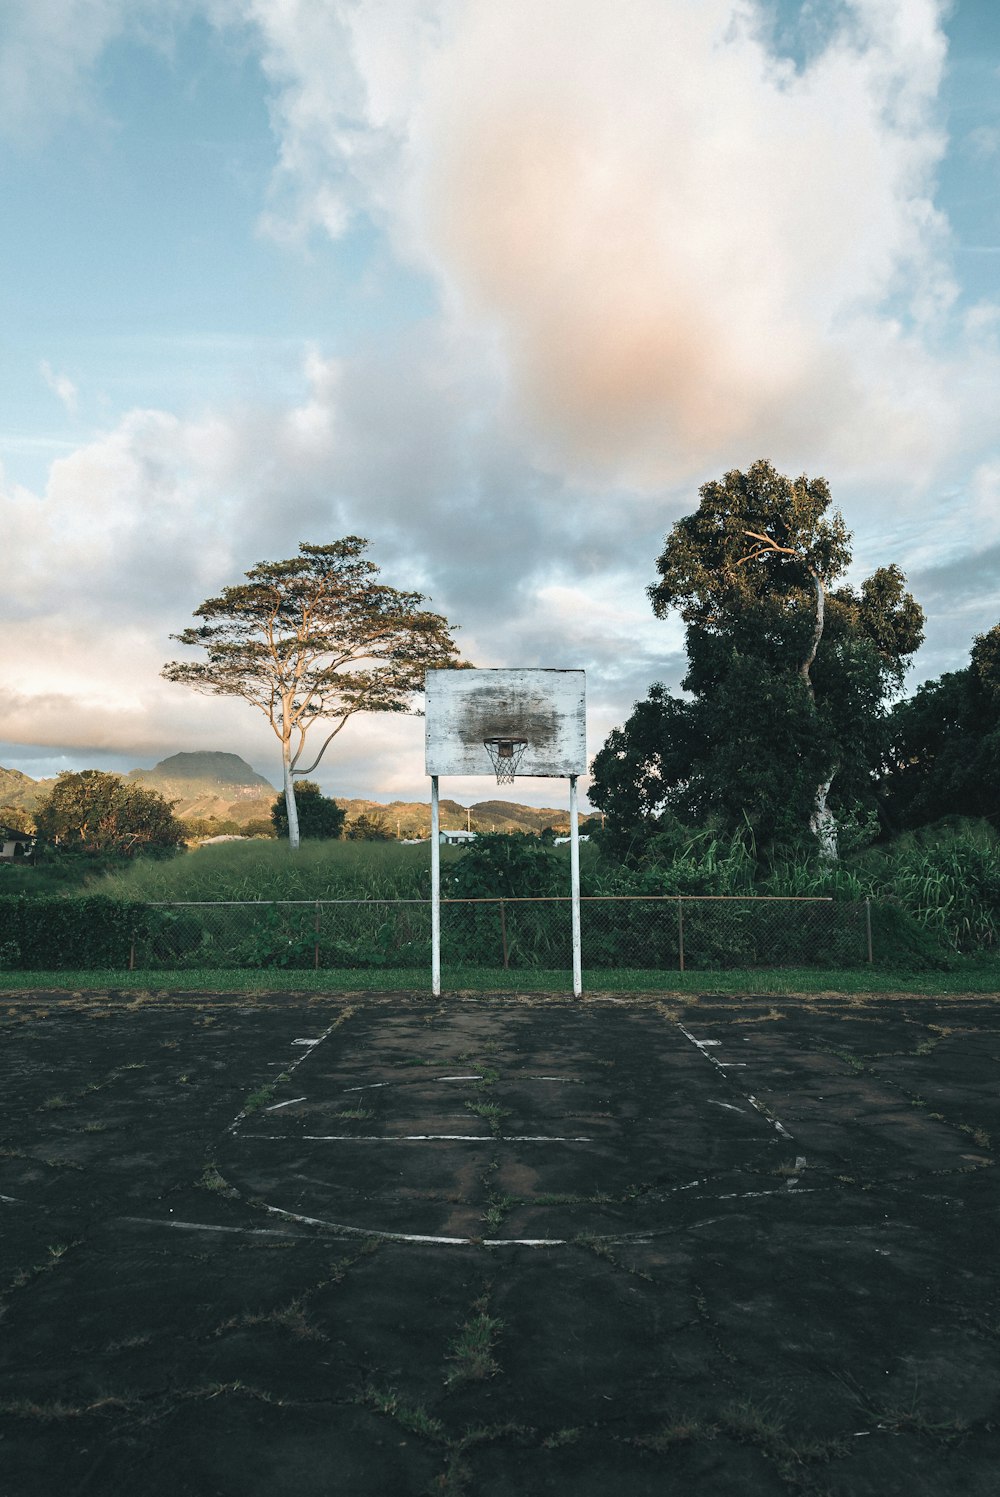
[51,934]
[369,828]
[506,865]
[319,816]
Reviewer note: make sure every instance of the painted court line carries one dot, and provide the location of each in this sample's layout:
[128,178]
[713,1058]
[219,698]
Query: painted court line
[475,1138]
[308,1048]
[415,1138]
[428,1239]
[182,1226]
[722,1067]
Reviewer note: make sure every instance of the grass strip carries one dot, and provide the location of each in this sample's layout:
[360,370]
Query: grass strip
[972,980]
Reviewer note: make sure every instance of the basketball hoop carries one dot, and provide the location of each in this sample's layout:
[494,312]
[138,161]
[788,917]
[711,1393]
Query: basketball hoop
[505,756]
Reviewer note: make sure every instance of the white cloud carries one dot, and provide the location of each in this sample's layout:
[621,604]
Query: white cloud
[48,49]
[137,526]
[62,387]
[684,246]
[661,250]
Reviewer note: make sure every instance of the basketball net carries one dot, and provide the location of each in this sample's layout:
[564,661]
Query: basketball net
[505,756]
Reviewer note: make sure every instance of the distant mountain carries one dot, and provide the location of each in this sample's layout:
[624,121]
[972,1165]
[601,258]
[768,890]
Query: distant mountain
[17,789]
[210,784]
[225,787]
[210,767]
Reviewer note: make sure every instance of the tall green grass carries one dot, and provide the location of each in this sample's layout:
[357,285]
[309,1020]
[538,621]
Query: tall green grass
[262,869]
[701,862]
[946,878]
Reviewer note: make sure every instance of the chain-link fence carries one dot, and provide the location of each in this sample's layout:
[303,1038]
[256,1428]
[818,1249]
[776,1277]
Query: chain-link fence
[642,933]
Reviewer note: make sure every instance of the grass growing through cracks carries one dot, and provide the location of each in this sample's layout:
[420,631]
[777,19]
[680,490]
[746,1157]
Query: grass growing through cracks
[491,1113]
[471,1352]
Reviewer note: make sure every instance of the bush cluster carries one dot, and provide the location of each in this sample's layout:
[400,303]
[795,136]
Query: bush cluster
[53,934]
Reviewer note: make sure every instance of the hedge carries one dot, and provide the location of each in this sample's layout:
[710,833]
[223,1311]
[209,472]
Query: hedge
[50,934]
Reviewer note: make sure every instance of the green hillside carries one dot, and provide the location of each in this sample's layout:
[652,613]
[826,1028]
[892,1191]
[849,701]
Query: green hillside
[225,787]
[20,790]
[413,818]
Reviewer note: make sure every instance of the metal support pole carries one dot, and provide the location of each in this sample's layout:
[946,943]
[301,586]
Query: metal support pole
[435,889]
[574,862]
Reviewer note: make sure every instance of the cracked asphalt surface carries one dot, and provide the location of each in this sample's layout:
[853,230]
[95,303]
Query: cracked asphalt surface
[387,1244]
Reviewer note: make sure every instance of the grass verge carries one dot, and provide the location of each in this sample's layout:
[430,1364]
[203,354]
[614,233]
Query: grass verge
[976,979]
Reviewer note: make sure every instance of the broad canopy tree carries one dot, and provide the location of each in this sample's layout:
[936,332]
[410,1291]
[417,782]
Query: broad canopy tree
[788,673]
[315,639]
[943,756]
[104,813]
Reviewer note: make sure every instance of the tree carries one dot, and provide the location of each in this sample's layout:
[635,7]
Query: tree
[373,828]
[788,676]
[319,816]
[104,813]
[313,639]
[16,819]
[944,744]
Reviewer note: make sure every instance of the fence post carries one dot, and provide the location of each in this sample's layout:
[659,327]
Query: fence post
[868,929]
[503,936]
[316,940]
[680,931]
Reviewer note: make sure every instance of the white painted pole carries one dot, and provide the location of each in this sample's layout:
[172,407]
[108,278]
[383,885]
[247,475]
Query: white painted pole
[574,863]
[435,889]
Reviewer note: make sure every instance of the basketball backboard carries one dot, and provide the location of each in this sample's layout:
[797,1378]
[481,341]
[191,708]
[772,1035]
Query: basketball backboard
[466,709]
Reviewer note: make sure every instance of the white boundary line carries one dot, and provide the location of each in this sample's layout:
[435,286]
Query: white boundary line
[308,1047]
[426,1239]
[408,1138]
[723,1067]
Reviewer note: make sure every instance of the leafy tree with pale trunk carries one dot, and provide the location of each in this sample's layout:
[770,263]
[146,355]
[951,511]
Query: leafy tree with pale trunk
[788,674]
[315,639]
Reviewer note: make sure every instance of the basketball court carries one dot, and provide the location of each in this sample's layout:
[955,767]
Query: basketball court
[502,1245]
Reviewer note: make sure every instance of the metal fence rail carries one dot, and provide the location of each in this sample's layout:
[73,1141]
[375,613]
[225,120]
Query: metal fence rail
[658,933]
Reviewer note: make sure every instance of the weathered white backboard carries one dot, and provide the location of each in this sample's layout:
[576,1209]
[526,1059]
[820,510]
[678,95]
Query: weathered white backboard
[547,707]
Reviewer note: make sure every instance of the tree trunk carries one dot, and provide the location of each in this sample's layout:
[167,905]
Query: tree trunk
[823,824]
[290,806]
[806,666]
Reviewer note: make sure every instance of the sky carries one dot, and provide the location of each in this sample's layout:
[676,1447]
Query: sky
[497,286]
